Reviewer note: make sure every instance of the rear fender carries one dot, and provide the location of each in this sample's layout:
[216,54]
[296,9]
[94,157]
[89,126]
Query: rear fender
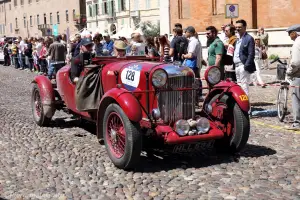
[46,93]
[240,97]
[126,101]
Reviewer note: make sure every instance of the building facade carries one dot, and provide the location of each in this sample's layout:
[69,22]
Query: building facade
[34,18]
[274,16]
[113,15]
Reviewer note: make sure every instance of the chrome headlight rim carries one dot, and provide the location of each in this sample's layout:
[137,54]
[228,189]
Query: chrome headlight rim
[179,127]
[199,125]
[209,77]
[154,79]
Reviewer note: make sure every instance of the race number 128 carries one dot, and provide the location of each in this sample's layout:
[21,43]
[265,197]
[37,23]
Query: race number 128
[130,75]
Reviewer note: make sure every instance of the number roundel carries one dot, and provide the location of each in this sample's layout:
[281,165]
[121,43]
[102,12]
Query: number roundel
[130,77]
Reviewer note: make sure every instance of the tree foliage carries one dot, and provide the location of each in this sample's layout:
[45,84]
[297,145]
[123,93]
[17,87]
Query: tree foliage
[150,29]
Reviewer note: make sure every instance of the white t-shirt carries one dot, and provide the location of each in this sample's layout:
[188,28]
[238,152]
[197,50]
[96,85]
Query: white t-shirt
[195,48]
[138,49]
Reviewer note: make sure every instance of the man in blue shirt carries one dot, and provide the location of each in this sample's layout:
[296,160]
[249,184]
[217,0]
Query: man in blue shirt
[108,45]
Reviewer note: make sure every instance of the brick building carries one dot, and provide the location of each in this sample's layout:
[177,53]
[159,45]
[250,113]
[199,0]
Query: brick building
[200,14]
[113,15]
[275,16]
[35,18]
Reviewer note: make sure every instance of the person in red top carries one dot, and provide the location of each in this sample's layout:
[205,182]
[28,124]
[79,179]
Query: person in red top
[42,58]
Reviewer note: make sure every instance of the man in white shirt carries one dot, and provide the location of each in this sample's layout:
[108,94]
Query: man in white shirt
[293,72]
[223,37]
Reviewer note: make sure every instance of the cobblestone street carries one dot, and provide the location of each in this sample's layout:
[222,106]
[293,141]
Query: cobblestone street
[65,161]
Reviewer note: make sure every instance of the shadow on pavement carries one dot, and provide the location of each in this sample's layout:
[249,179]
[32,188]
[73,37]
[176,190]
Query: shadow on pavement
[262,104]
[171,161]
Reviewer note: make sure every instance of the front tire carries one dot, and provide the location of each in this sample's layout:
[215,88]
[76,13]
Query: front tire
[238,132]
[122,138]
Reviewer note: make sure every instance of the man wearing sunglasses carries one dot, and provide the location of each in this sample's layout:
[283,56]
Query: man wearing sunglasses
[293,72]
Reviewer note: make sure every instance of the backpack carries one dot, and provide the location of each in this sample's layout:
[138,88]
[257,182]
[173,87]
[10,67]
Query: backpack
[181,45]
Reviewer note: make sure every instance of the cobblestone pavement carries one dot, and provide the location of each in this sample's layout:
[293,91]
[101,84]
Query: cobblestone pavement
[66,161]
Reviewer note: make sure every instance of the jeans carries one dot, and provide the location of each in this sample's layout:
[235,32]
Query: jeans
[54,67]
[21,63]
[256,75]
[29,62]
[16,62]
[296,100]
[43,65]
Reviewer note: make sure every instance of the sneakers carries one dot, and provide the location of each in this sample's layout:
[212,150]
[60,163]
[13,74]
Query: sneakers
[295,127]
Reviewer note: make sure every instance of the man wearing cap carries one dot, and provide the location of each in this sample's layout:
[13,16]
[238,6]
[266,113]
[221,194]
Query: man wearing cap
[82,59]
[57,52]
[108,45]
[119,48]
[293,72]
[193,56]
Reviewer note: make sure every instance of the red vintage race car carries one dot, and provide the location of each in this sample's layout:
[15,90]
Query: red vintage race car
[147,103]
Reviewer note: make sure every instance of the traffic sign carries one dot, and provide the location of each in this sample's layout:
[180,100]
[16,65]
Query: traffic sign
[231,11]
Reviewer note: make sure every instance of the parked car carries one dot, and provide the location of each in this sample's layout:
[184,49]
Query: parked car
[149,104]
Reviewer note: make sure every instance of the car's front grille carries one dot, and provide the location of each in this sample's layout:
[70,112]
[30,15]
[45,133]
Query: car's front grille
[175,105]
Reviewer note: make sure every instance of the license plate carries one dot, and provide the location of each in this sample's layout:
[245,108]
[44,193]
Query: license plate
[187,148]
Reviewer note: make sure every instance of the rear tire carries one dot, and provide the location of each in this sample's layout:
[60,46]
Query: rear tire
[37,108]
[282,103]
[122,138]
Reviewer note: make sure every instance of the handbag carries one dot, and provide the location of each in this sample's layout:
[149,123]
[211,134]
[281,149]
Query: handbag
[264,55]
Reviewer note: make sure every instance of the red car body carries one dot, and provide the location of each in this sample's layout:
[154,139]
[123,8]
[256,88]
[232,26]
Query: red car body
[139,99]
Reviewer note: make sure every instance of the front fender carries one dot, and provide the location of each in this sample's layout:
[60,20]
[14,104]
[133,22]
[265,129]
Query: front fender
[46,93]
[127,102]
[240,97]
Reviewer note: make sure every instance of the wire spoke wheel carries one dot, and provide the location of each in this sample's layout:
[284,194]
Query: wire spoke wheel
[282,99]
[116,134]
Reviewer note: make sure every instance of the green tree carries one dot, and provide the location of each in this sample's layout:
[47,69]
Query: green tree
[150,29]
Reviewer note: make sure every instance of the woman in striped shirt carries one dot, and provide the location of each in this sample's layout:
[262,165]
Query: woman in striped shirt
[164,48]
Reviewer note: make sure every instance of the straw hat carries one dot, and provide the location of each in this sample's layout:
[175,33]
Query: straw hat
[120,45]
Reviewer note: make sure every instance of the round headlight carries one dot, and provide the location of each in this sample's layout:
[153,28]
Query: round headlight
[182,127]
[213,75]
[203,125]
[159,78]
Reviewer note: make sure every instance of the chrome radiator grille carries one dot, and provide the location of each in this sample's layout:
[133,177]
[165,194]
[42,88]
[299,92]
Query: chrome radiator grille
[175,105]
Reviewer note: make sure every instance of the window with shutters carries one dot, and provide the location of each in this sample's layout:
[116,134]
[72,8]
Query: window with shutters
[29,1]
[51,20]
[184,9]
[148,4]
[16,22]
[136,4]
[67,16]
[15,2]
[57,16]
[121,4]
[22,2]
[90,11]
[11,27]
[30,20]
[74,14]
[38,19]
[45,19]
[24,22]
[96,9]
[105,8]
[218,7]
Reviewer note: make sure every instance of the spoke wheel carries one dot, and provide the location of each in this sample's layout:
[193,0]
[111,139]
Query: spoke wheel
[122,138]
[116,134]
[37,108]
[282,99]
